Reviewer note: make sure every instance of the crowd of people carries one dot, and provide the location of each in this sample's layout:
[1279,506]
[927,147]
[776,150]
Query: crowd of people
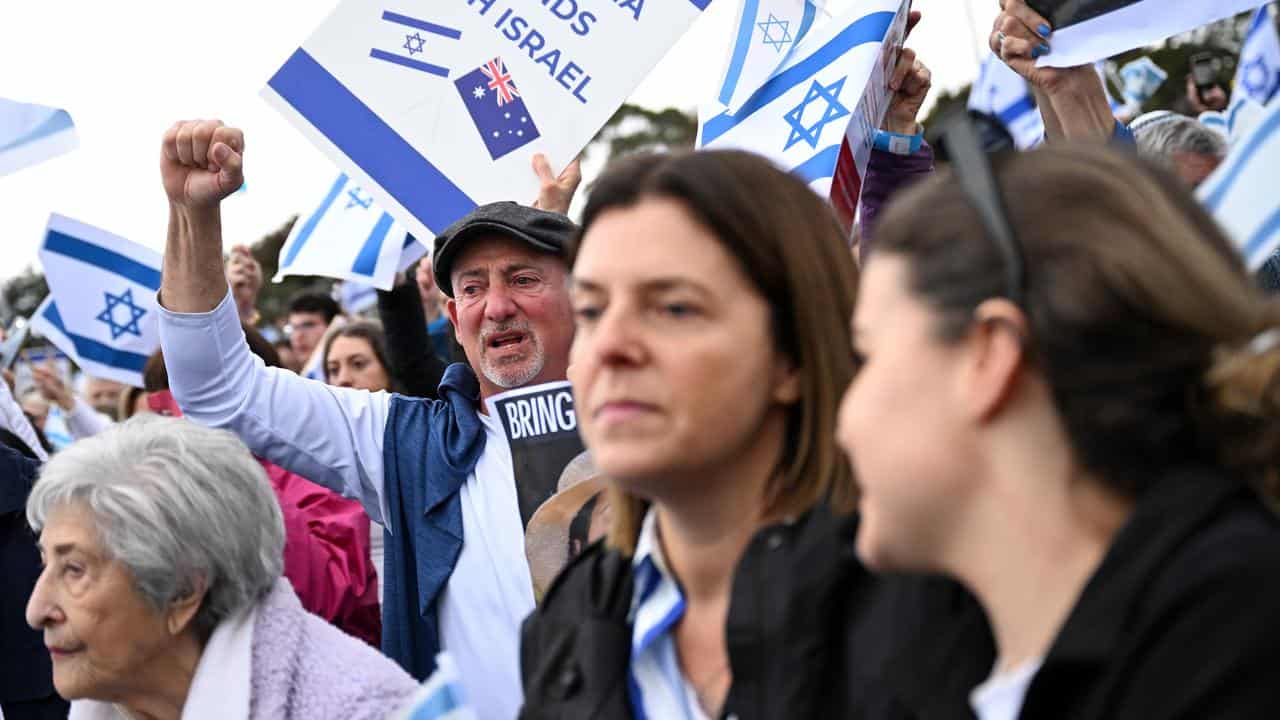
[1014,455]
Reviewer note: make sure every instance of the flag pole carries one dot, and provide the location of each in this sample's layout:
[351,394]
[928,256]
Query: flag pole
[978,55]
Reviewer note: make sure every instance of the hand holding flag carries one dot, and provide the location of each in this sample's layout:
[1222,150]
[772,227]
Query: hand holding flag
[201,162]
[1020,37]
[910,85]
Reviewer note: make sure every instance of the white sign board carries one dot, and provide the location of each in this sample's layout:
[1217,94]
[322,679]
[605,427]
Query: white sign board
[436,107]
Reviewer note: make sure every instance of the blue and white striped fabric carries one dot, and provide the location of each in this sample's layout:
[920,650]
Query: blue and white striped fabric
[1239,119]
[1005,95]
[1258,71]
[347,237]
[657,686]
[31,134]
[1242,195]
[800,117]
[440,697]
[766,33]
[101,309]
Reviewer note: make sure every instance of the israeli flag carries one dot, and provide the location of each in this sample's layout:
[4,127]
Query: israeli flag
[1258,72]
[1005,95]
[1239,119]
[766,33]
[440,697]
[1242,195]
[101,310]
[350,238]
[1087,31]
[834,84]
[31,134]
[1141,78]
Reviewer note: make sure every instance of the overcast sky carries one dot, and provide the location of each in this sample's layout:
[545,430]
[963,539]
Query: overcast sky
[126,71]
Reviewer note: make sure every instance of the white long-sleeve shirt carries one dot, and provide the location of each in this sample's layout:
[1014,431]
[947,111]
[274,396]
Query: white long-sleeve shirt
[13,419]
[334,437]
[83,421]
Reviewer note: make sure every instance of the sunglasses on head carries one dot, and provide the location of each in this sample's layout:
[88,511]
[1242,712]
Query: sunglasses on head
[973,171]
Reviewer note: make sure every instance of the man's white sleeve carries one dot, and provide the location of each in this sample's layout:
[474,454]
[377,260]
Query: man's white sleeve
[329,435]
[83,421]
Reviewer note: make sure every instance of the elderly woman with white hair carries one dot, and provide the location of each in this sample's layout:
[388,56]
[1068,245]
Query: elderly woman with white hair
[162,594]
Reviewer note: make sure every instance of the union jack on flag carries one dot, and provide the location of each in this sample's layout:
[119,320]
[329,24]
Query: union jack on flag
[500,81]
[497,108]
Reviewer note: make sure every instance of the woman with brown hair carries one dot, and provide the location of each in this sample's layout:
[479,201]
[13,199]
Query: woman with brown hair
[709,290]
[1070,407]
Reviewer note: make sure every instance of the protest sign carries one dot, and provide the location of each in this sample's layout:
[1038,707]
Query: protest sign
[1241,193]
[541,428]
[101,309]
[436,107]
[31,134]
[1088,30]
[821,109]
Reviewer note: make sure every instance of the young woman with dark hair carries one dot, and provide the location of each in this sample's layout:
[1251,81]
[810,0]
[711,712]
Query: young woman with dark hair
[1077,425]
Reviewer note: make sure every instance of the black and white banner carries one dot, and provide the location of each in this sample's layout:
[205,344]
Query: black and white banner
[542,429]
[1085,31]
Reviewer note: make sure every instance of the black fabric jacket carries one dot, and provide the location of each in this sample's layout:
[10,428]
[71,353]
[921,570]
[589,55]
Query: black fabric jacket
[25,669]
[810,633]
[413,362]
[1182,618]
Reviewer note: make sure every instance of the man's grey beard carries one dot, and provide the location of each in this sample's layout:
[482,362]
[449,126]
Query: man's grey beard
[509,378]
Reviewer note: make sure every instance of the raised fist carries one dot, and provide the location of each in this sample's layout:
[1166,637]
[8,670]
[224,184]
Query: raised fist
[201,162]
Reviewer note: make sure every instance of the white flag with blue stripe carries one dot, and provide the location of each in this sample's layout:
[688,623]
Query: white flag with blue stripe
[1086,31]
[347,237]
[1242,195]
[31,134]
[1005,95]
[101,310]
[834,85]
[764,36]
[440,697]
[1141,78]
[1258,71]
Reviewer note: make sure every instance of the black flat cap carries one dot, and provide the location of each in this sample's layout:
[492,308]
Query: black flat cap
[546,231]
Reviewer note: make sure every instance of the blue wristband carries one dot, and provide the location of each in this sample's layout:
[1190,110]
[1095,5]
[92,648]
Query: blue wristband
[897,143]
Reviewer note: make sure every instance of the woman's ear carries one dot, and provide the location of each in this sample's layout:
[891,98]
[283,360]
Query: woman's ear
[786,383]
[997,350]
[182,610]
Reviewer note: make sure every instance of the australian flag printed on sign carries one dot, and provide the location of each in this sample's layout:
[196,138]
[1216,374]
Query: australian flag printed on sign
[496,108]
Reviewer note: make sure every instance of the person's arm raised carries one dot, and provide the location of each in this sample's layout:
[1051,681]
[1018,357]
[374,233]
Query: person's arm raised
[201,162]
[1072,100]
[331,436]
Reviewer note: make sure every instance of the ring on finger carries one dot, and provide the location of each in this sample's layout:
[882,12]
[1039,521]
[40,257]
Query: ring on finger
[1000,36]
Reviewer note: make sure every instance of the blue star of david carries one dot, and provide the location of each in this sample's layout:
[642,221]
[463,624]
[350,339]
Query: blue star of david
[358,198]
[413,43]
[778,42]
[1258,78]
[834,111]
[108,316]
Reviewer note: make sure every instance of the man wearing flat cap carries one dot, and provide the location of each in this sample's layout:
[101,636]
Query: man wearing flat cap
[436,474]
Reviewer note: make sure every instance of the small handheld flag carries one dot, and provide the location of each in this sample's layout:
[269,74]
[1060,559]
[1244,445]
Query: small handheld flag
[102,309]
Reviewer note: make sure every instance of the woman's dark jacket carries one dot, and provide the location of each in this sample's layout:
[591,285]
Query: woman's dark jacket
[1181,619]
[810,633]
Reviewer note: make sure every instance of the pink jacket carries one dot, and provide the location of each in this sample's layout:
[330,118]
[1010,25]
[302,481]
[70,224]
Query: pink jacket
[326,554]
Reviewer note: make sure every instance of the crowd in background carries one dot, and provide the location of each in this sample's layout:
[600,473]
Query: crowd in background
[1014,455]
